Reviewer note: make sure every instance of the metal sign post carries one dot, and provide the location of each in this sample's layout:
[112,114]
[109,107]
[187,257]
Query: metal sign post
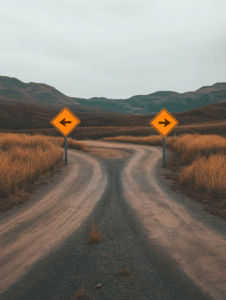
[65,150]
[164,156]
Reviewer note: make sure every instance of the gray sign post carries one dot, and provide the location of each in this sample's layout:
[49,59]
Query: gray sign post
[164,156]
[65,150]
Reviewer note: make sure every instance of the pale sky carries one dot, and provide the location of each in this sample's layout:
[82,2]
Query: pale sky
[114,49]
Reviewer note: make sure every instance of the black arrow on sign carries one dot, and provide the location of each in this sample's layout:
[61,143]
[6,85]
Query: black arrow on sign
[166,122]
[63,122]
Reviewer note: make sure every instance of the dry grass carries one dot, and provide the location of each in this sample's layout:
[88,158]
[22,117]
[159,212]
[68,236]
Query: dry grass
[203,161]
[94,235]
[190,147]
[122,273]
[207,174]
[24,159]
[71,143]
[153,140]
[82,295]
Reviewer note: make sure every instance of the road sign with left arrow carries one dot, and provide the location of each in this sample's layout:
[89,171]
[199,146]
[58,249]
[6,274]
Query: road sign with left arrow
[164,122]
[65,121]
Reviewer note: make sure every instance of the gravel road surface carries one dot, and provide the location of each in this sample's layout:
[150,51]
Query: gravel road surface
[172,246]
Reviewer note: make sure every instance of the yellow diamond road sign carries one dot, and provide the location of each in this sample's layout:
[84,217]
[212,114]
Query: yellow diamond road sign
[164,122]
[65,121]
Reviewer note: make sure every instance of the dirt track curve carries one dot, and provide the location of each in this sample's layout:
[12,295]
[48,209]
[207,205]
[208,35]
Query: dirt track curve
[195,240]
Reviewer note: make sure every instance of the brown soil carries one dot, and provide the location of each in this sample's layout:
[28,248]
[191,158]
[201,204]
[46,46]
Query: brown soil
[108,153]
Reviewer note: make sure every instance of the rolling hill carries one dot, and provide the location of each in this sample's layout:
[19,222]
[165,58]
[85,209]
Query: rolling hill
[24,116]
[14,91]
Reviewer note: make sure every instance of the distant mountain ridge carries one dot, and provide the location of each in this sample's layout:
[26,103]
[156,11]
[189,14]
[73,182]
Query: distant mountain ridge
[12,90]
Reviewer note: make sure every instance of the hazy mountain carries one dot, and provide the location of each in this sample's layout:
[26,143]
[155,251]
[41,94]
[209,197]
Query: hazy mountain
[15,91]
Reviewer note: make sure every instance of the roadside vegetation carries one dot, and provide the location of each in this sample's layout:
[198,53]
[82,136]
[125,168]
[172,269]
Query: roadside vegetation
[24,159]
[200,164]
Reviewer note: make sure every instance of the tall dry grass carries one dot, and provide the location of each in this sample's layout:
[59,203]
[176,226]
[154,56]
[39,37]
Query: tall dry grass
[192,146]
[71,143]
[203,157]
[207,174]
[24,158]
[152,140]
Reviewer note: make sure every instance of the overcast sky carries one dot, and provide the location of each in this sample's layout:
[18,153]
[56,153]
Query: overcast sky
[114,48]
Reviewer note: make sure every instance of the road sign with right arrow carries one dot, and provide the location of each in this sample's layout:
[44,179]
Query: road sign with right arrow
[164,122]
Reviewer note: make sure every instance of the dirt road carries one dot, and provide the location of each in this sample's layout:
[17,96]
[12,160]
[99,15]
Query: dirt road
[181,230]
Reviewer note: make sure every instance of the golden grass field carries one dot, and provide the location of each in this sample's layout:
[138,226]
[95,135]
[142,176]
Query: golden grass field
[23,159]
[200,162]
[202,174]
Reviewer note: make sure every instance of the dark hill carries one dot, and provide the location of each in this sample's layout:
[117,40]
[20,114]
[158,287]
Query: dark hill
[21,117]
[42,95]
[15,91]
